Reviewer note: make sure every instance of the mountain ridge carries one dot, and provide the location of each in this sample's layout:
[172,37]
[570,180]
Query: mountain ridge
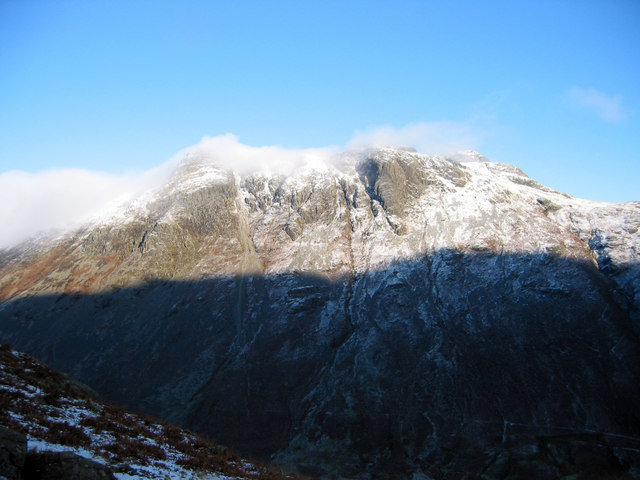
[251,201]
[390,314]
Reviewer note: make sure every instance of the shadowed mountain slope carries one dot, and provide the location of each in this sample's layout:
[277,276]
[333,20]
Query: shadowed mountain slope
[438,365]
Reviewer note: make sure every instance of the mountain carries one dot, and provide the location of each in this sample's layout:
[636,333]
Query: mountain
[54,428]
[386,314]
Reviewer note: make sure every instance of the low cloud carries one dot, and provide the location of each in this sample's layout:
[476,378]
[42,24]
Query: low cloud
[47,201]
[443,137]
[61,199]
[228,152]
[608,108]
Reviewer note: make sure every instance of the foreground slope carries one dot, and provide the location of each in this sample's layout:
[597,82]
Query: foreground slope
[389,314]
[59,415]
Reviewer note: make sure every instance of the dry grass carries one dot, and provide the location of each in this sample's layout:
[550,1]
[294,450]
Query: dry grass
[62,433]
[135,450]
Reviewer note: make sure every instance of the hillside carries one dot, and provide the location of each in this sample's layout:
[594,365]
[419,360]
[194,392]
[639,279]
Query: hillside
[387,314]
[59,415]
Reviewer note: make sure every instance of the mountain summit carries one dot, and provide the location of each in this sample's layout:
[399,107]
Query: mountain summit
[356,212]
[380,315]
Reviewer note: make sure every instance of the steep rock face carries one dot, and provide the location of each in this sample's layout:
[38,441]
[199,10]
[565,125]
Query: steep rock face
[395,315]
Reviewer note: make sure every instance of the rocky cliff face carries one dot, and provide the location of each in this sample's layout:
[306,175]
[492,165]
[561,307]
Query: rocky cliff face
[389,314]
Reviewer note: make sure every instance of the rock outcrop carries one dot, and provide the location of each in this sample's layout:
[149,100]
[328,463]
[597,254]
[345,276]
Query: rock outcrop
[63,466]
[400,315]
[13,451]
[16,463]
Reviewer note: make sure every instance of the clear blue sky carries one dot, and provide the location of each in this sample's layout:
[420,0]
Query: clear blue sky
[550,86]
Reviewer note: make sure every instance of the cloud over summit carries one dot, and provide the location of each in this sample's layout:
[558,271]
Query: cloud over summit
[228,152]
[61,199]
[427,137]
[51,200]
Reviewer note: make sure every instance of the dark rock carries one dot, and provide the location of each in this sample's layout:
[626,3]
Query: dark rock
[13,450]
[63,466]
[532,469]
[586,454]
[393,181]
[293,229]
[575,456]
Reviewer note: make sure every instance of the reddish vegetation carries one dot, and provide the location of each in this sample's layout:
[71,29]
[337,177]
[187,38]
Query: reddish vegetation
[86,278]
[76,282]
[35,272]
[135,450]
[83,280]
[62,433]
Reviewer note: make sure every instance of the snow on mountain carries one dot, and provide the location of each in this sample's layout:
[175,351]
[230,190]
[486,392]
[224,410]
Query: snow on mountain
[463,202]
[370,312]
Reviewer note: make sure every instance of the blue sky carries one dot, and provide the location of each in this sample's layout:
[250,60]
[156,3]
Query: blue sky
[116,87]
